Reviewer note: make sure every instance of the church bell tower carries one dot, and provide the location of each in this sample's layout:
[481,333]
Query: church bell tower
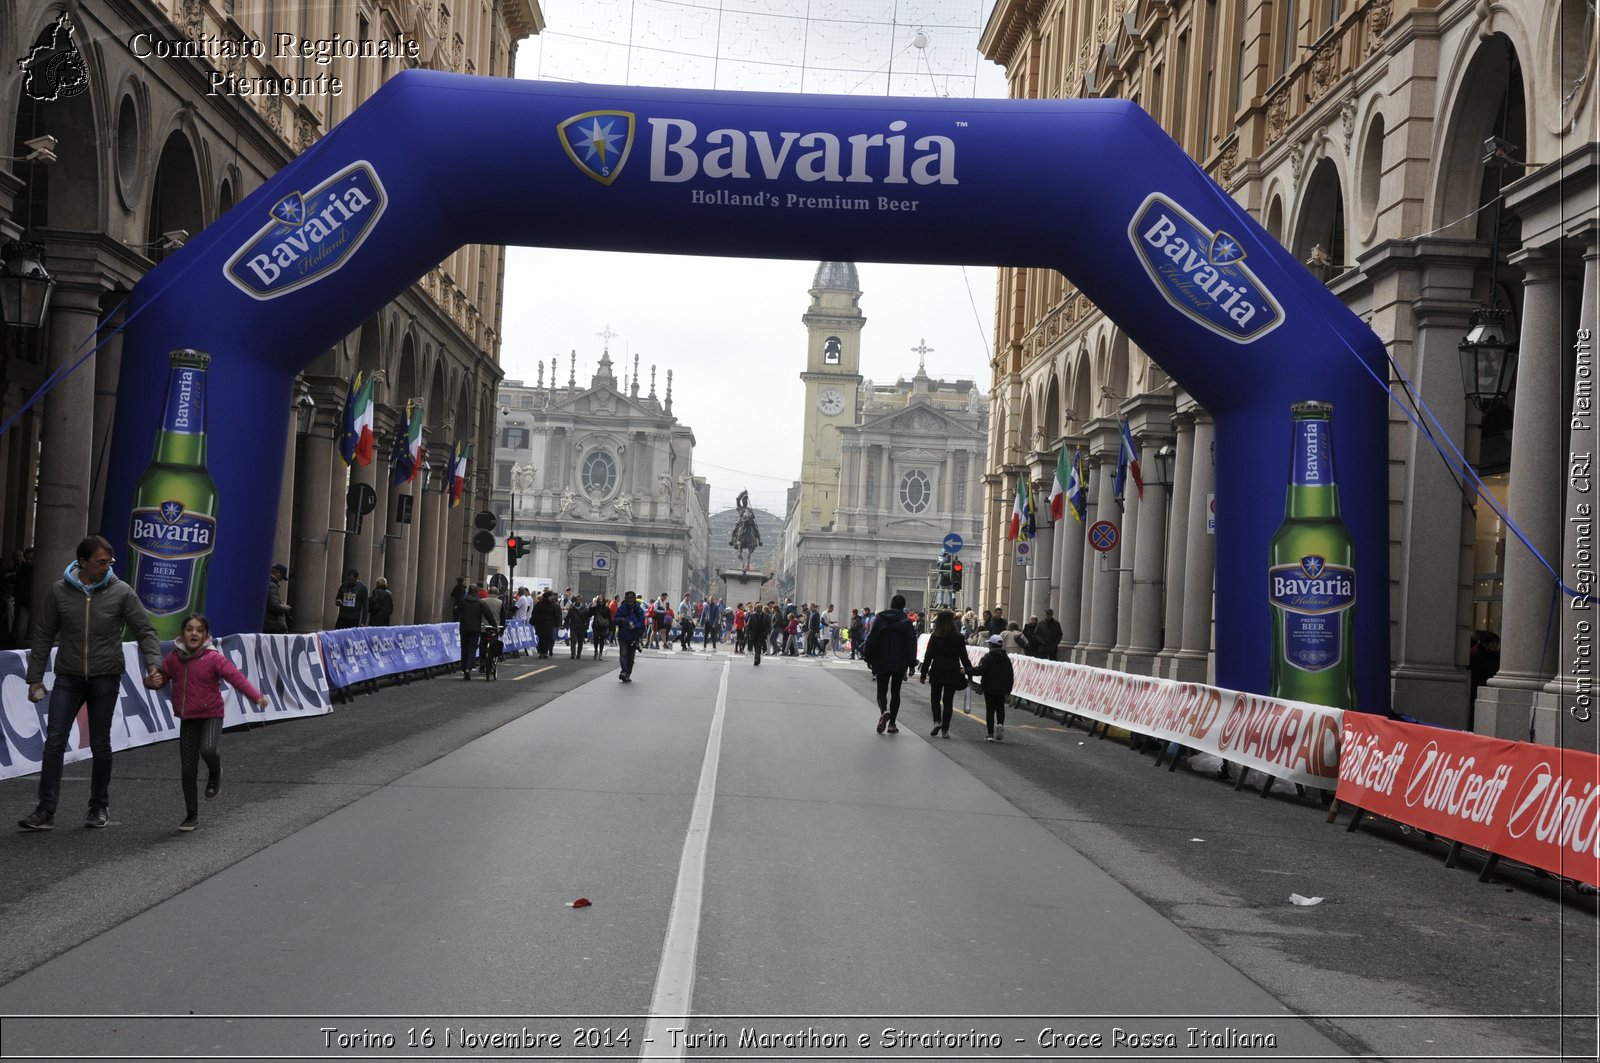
[832,377]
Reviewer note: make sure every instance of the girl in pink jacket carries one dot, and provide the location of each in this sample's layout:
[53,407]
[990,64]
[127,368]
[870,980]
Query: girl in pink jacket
[195,670]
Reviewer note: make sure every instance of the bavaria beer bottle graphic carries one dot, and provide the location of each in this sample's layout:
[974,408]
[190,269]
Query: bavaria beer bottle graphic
[1311,575]
[174,521]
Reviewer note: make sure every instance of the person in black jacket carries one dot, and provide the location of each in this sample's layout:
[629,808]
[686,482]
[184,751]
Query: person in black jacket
[546,618]
[757,626]
[946,660]
[577,627]
[996,677]
[890,652]
[380,606]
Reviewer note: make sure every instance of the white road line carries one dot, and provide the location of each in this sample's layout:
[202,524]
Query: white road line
[674,992]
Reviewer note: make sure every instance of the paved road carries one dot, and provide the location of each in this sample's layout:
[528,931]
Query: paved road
[758,857]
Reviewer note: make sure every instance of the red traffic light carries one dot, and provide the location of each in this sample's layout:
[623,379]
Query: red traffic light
[956,567]
[511,543]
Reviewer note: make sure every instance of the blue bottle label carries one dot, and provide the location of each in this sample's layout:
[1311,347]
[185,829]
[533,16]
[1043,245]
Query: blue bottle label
[169,544]
[186,401]
[1310,599]
[1313,455]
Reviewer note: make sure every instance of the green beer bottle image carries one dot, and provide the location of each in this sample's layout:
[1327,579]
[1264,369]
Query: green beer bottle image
[174,524]
[1311,574]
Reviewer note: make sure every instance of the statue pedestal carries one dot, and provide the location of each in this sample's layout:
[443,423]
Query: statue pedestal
[741,586]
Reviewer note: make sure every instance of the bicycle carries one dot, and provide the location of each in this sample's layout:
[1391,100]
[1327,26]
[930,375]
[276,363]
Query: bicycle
[842,648]
[489,650]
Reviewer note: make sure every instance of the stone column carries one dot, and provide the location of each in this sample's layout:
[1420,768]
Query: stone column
[67,445]
[283,537]
[1199,560]
[107,371]
[1040,576]
[1069,551]
[435,504]
[309,585]
[1426,680]
[1527,653]
[1148,577]
[1177,546]
[364,550]
[1106,585]
[1089,571]
[1133,510]
[337,485]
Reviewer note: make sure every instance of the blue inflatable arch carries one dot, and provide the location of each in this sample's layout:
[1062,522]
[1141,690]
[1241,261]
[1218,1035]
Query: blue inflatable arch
[1092,188]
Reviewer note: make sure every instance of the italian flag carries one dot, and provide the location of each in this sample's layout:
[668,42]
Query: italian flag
[458,474]
[1058,486]
[1022,512]
[362,423]
[408,447]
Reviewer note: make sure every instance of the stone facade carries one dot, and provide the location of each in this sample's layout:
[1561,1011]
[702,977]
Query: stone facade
[1356,134]
[145,158]
[889,470]
[602,482]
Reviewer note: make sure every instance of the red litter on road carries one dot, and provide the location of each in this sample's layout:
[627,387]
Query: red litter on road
[581,902]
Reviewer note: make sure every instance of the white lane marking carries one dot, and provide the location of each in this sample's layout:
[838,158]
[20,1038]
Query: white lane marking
[674,992]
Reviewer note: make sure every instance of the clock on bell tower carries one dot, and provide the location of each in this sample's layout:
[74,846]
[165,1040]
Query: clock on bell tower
[832,376]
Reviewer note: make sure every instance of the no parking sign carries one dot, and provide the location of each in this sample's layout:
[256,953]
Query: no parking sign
[1103,536]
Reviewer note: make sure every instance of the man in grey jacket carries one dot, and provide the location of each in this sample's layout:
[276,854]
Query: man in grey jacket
[86,611]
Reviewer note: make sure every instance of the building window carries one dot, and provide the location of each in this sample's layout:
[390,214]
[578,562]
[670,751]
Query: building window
[599,473]
[502,475]
[915,491]
[831,350]
[514,438]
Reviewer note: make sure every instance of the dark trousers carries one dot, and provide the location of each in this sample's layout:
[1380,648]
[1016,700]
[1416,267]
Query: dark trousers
[547,640]
[629,648]
[469,649]
[756,646]
[889,694]
[943,694]
[198,739]
[576,642]
[994,708]
[599,645]
[100,693]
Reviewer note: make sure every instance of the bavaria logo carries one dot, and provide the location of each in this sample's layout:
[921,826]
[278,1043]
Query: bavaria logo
[598,142]
[171,510]
[310,234]
[1312,565]
[1202,273]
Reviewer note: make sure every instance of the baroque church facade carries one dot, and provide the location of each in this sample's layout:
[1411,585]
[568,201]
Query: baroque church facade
[601,482]
[888,470]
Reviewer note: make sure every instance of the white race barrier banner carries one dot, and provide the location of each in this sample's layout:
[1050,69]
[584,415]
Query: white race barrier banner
[1290,740]
[287,669]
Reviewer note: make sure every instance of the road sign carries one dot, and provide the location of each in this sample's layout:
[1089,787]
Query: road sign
[1103,535]
[1211,513]
[486,520]
[1024,552]
[483,542]
[952,543]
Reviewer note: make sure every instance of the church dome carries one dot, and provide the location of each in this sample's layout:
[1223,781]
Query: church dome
[838,275]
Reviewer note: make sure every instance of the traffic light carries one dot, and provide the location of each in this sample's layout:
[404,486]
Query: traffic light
[944,570]
[955,575]
[516,547]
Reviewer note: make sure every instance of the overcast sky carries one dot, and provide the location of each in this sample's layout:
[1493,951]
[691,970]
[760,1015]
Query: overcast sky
[730,329]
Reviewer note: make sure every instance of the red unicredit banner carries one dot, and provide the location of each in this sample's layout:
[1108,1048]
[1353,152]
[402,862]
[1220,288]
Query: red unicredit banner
[1535,804]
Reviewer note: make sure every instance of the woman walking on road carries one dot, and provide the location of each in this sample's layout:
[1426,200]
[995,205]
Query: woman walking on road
[195,672]
[577,627]
[946,661]
[600,624]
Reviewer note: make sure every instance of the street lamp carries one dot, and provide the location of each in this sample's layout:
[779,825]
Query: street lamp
[1488,358]
[305,410]
[25,285]
[1166,462]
